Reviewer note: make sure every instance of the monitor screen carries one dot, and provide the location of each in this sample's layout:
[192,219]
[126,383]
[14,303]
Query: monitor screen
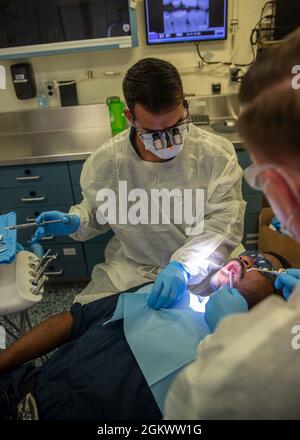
[182,21]
[287,18]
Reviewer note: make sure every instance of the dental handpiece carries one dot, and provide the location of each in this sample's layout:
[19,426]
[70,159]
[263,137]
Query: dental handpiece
[274,272]
[230,280]
[32,225]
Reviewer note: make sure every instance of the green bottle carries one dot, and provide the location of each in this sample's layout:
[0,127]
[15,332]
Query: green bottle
[118,120]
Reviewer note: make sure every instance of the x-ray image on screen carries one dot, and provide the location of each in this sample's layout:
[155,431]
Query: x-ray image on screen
[185,16]
[173,21]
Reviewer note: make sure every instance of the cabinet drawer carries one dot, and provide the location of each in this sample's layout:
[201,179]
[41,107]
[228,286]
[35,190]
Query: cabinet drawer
[77,194]
[252,225]
[67,252]
[36,196]
[62,271]
[28,215]
[250,240]
[25,235]
[75,171]
[246,189]
[34,175]
[244,159]
[25,215]
[103,238]
[94,253]
[254,202]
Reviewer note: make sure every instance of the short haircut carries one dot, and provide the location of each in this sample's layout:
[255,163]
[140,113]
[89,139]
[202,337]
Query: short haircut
[286,265]
[154,84]
[269,121]
[284,262]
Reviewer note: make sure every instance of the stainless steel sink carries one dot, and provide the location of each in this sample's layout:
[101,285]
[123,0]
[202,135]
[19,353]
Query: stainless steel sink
[225,125]
[220,112]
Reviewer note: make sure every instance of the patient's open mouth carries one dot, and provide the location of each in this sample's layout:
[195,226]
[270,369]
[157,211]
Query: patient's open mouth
[222,277]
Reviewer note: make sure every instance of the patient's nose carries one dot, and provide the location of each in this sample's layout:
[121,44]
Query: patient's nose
[247,261]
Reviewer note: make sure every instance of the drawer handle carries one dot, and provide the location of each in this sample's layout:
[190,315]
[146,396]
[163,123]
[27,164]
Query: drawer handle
[48,238]
[28,178]
[33,199]
[60,272]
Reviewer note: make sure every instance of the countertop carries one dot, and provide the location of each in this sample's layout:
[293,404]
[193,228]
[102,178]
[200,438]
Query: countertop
[64,145]
[61,134]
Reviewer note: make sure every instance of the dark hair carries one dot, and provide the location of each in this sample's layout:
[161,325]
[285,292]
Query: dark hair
[155,84]
[284,262]
[270,118]
[286,265]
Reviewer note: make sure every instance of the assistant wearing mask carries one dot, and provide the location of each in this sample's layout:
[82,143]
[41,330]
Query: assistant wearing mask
[273,180]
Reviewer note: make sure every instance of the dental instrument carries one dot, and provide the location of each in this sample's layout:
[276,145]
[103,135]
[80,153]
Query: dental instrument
[32,225]
[230,279]
[273,272]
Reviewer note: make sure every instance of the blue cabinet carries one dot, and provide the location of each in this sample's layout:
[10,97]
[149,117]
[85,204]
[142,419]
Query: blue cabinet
[31,190]
[254,201]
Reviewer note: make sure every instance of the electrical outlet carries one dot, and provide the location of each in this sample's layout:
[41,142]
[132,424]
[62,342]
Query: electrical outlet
[234,75]
[50,89]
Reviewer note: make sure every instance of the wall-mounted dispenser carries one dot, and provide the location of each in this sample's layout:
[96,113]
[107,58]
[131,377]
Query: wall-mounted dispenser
[23,80]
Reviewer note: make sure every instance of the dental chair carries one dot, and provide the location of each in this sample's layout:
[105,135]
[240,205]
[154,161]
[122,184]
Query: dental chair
[17,292]
[22,278]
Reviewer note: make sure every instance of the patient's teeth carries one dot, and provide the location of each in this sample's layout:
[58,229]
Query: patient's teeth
[190,3]
[168,23]
[203,4]
[176,3]
[194,19]
[197,20]
[180,21]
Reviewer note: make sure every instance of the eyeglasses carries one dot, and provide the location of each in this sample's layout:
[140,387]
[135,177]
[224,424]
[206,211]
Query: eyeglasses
[254,176]
[186,120]
[168,138]
[259,260]
[264,266]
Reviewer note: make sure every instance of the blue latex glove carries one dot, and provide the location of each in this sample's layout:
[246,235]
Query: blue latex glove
[169,286]
[276,223]
[288,281]
[37,249]
[70,223]
[223,302]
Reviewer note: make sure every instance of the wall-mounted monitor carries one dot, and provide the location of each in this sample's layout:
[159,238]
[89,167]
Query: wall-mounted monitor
[32,27]
[287,18]
[183,21]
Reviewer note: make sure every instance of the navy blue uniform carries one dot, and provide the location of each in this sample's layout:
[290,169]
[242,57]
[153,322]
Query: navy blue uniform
[93,376]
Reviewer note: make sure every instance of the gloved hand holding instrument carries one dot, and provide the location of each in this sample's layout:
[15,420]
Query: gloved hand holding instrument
[51,223]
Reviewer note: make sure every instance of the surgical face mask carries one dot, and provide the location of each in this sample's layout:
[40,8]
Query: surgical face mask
[168,143]
[257,177]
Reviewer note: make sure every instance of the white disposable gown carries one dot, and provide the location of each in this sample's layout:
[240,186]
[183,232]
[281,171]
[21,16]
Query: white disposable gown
[137,252]
[248,369]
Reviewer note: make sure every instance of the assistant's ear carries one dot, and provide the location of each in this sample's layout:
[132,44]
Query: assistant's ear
[129,116]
